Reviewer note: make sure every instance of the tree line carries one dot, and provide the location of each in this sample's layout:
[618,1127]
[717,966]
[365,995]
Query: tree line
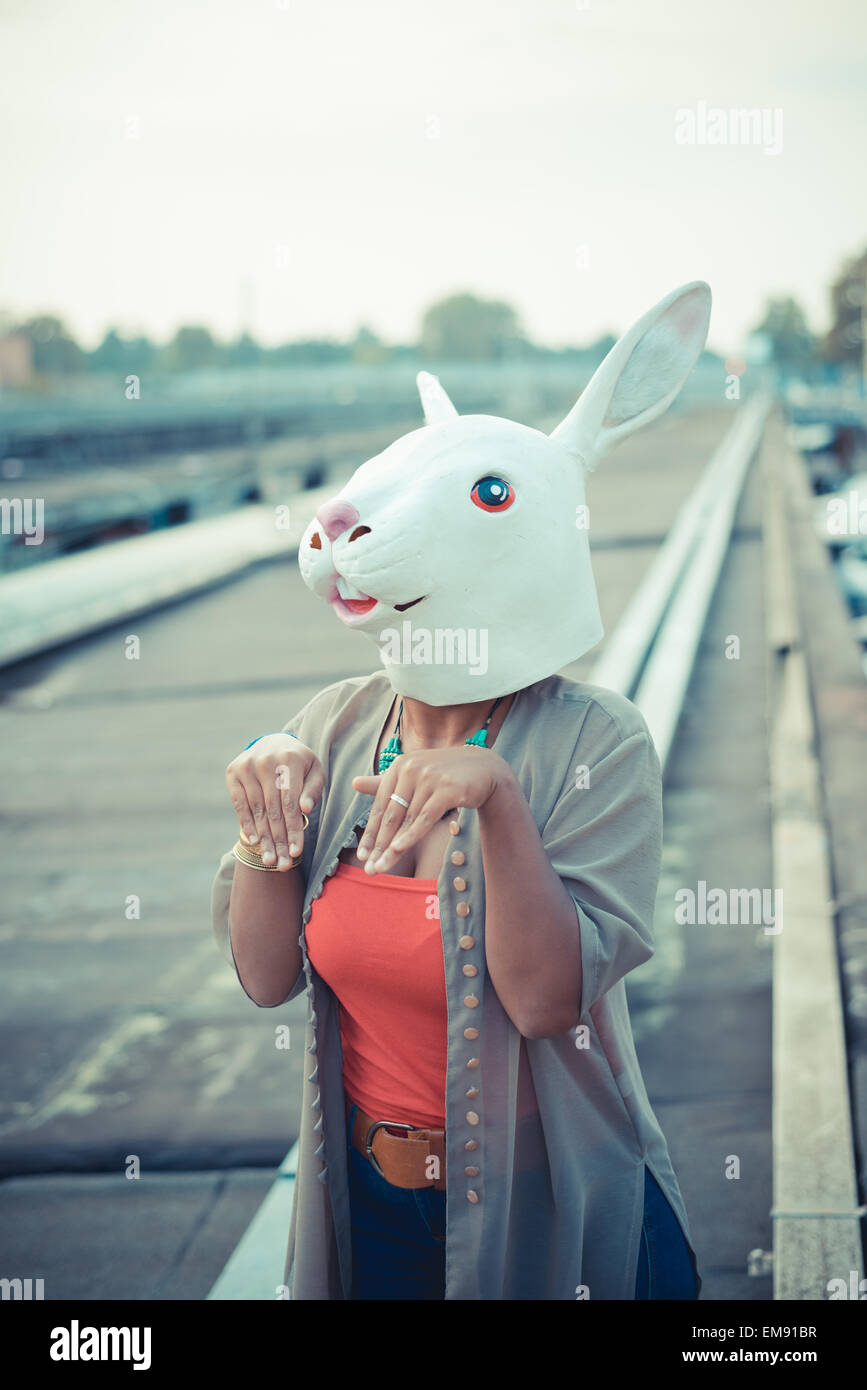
[460,327]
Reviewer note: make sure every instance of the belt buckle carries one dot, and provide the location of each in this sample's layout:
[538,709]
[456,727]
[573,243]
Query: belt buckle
[382,1124]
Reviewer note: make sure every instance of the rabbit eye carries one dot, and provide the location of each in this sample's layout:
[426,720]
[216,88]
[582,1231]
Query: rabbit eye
[493,494]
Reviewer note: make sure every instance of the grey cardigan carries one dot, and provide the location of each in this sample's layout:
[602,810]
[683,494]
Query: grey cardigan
[553,1206]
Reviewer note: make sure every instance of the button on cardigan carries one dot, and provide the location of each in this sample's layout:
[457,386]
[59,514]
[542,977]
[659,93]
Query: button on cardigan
[549,1206]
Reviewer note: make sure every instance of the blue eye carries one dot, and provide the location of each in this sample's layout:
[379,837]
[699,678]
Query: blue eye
[493,494]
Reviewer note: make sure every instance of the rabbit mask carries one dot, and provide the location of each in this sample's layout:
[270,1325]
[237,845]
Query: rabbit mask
[462,548]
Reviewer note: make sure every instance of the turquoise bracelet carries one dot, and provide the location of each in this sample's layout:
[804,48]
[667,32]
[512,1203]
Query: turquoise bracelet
[256,740]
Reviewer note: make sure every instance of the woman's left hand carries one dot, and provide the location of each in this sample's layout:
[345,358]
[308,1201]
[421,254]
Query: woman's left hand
[433,781]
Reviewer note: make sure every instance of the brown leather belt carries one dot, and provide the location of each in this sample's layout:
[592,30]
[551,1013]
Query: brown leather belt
[405,1158]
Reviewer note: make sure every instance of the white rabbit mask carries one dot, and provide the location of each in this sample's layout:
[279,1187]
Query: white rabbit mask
[461,549]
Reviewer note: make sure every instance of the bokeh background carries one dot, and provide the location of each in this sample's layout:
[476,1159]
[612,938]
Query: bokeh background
[231,236]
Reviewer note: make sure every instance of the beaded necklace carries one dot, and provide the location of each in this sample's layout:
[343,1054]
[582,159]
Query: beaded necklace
[393,749]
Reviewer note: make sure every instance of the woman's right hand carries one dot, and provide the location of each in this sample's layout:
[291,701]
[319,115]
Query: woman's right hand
[270,785]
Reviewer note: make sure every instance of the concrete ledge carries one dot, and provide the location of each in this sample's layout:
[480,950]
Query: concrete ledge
[68,598]
[817,1228]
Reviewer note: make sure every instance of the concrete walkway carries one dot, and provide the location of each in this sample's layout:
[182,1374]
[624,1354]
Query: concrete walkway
[125,1032]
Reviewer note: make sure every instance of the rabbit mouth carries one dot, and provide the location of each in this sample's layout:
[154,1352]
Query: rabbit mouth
[354,607]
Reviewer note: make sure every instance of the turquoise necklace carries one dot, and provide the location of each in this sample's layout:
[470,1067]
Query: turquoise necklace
[393,749]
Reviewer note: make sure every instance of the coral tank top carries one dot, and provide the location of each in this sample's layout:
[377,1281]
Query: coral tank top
[376,941]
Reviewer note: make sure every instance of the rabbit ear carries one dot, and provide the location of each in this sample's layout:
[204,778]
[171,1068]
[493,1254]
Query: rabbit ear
[641,375]
[435,403]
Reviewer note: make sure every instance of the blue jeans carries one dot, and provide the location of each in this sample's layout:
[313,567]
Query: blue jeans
[399,1240]
[665,1268]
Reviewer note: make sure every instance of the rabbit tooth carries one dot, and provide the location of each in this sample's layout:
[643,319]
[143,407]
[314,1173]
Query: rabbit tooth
[347,590]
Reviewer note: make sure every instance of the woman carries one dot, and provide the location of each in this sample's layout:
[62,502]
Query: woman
[457,858]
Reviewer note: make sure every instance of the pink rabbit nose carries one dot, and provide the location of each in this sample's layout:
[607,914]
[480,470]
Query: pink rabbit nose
[336,517]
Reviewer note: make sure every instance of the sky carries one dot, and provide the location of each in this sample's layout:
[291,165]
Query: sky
[300,167]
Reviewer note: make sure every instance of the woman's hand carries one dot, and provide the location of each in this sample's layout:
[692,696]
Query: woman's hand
[270,785]
[432,780]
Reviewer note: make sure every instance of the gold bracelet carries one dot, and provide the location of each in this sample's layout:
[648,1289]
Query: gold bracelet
[253,849]
[254,861]
[251,852]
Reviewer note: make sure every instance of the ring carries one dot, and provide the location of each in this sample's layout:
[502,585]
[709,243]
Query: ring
[394,797]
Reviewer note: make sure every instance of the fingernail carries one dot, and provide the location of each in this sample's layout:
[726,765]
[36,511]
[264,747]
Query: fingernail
[363,852]
[254,839]
[282,862]
[293,850]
